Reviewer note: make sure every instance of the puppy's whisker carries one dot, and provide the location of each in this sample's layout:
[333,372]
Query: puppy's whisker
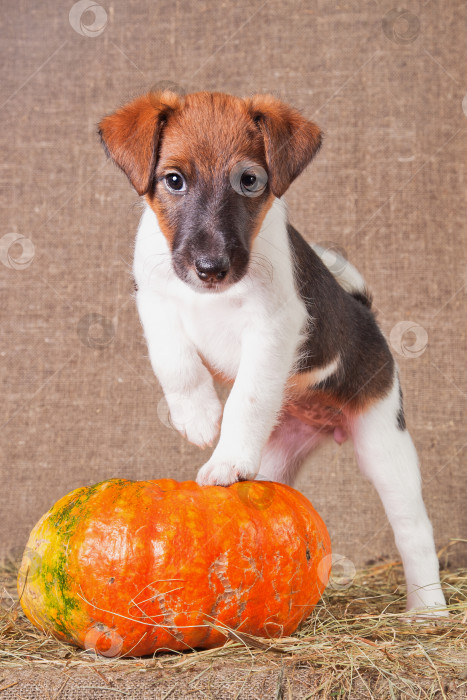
[258,260]
[158,265]
[150,267]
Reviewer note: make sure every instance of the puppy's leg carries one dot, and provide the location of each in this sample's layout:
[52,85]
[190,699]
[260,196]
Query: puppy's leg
[254,403]
[195,409]
[387,457]
[288,446]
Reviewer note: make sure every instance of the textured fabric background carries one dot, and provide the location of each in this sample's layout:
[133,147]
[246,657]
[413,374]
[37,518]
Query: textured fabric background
[80,401]
[221,682]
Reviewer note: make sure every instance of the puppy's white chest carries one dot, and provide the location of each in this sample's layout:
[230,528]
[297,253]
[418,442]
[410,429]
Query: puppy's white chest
[216,328]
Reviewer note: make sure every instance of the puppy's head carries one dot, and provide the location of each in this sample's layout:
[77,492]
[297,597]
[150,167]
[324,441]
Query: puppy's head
[209,165]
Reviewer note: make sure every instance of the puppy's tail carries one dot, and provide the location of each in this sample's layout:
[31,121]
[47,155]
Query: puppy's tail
[344,273]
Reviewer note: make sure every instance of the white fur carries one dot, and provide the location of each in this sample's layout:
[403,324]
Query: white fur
[322,373]
[387,457]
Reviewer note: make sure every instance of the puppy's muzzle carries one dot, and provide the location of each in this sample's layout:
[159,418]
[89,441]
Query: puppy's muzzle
[212,269]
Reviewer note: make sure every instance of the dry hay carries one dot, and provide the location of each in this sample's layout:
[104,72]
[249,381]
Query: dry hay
[356,636]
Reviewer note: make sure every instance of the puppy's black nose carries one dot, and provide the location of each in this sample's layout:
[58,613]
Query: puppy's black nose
[212,269]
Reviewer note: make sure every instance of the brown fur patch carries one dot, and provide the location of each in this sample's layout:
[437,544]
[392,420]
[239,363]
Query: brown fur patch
[167,230]
[312,403]
[264,210]
[130,135]
[290,140]
[318,410]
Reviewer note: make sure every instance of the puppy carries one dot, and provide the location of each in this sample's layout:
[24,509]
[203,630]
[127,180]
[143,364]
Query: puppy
[227,288]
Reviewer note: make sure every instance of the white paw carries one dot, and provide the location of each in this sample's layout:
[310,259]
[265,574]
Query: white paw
[427,615]
[196,416]
[425,605]
[225,472]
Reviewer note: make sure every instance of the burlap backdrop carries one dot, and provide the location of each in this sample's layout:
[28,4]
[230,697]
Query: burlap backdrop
[387,187]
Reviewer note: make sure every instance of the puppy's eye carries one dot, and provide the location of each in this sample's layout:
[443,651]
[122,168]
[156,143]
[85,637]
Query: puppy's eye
[249,182]
[248,179]
[175,183]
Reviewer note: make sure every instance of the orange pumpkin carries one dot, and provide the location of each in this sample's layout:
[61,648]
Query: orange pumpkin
[131,567]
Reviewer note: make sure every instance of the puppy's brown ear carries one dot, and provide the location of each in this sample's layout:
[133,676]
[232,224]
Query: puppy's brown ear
[290,140]
[131,135]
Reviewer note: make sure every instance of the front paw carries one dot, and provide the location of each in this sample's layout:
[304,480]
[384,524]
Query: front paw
[196,416]
[223,472]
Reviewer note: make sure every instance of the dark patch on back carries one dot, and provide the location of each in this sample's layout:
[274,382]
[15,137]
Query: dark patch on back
[342,325]
[364,298]
[401,424]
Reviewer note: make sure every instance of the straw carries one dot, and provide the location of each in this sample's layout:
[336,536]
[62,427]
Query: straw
[357,632]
